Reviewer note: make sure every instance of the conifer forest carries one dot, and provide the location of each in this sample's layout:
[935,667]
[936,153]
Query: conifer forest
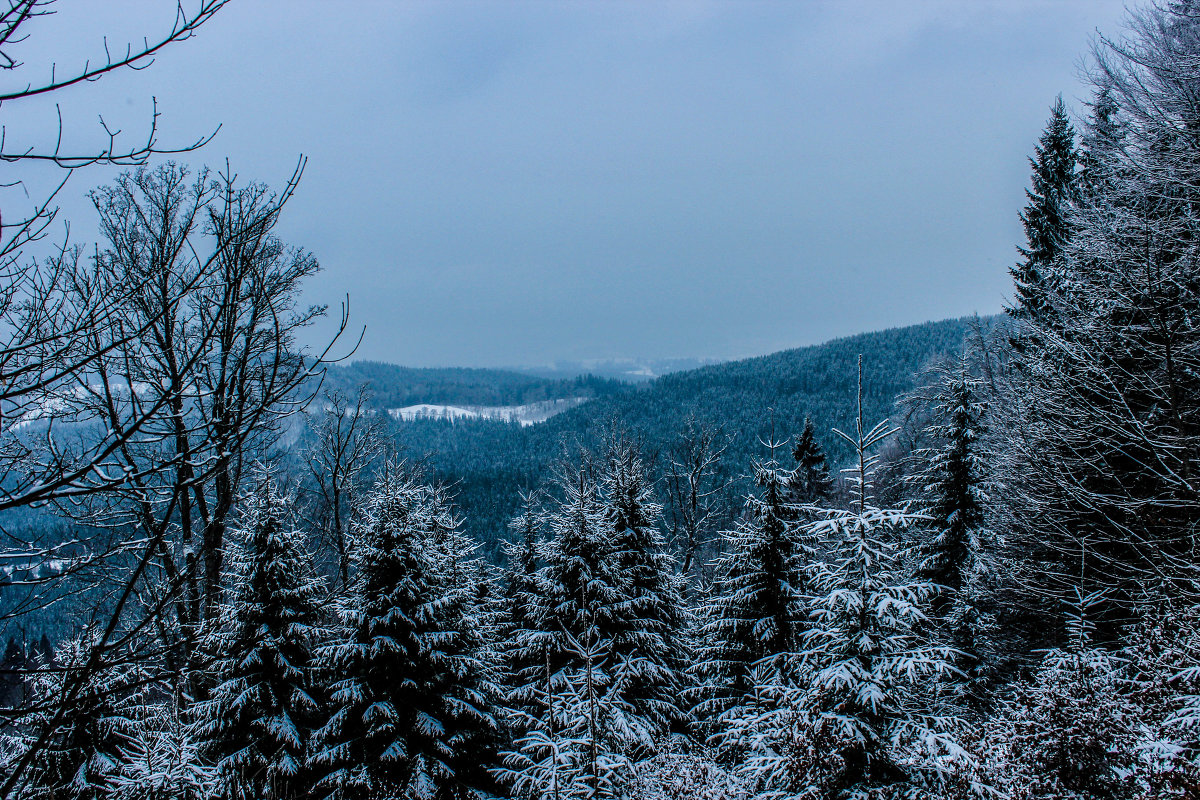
[955,560]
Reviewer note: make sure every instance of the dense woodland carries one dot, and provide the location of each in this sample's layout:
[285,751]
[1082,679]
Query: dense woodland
[956,560]
[738,401]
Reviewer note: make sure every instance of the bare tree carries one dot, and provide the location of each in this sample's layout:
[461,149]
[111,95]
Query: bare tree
[349,437]
[697,487]
[53,306]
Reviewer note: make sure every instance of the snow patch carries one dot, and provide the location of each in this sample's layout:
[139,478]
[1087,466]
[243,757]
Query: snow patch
[524,415]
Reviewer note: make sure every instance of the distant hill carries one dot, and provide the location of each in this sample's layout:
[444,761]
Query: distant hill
[487,461]
[396,387]
[633,370]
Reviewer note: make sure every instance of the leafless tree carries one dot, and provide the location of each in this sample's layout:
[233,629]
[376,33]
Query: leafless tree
[349,437]
[51,306]
[697,485]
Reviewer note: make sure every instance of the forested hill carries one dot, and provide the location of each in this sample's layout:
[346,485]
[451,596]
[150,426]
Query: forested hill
[394,386]
[741,397]
[488,462]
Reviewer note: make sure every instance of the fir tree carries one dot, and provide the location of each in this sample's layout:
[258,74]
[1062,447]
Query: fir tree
[811,482]
[1045,217]
[758,607]
[258,724]
[863,655]
[650,636]
[411,698]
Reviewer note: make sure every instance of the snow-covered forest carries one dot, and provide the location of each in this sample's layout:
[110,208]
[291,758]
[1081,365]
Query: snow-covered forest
[995,594]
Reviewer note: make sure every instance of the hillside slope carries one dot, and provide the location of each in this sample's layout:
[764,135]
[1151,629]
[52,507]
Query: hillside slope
[488,461]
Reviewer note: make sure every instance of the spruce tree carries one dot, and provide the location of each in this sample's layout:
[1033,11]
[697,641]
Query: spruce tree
[522,664]
[811,482]
[411,699]
[258,724]
[864,655]
[758,607]
[83,755]
[1045,217]
[649,640]
[951,482]
[582,597]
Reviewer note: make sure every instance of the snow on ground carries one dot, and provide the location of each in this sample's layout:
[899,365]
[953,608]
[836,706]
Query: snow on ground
[528,414]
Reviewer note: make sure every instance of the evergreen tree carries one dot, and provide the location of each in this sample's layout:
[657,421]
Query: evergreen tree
[1046,216]
[522,665]
[84,753]
[411,698]
[863,657]
[1070,731]
[758,607]
[649,641]
[811,482]
[258,724]
[1097,447]
[952,482]
[1100,136]
[12,675]
[576,744]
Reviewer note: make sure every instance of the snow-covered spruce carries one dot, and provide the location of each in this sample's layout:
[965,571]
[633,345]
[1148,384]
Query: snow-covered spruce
[86,745]
[951,480]
[257,725]
[410,696]
[605,634]
[810,481]
[842,716]
[648,642]
[757,609]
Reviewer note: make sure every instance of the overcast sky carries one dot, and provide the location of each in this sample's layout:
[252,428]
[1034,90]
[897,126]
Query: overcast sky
[501,183]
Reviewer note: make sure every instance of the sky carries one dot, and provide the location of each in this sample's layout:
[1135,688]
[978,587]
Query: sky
[515,183]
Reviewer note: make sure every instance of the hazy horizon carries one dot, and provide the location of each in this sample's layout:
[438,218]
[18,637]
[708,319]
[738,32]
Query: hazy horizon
[529,182]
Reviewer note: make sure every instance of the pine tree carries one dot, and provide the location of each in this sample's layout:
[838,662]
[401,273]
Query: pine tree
[83,756]
[952,482]
[1046,216]
[649,641]
[811,482]
[411,698]
[258,724]
[863,656]
[758,607]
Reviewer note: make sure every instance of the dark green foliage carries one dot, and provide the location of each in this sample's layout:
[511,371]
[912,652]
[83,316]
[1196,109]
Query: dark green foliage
[758,608]
[952,483]
[810,482]
[650,636]
[1045,217]
[410,698]
[258,725]
[395,387]
[486,461]
[85,749]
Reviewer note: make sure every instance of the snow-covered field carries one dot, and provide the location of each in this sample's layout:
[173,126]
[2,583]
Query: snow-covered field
[528,414]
